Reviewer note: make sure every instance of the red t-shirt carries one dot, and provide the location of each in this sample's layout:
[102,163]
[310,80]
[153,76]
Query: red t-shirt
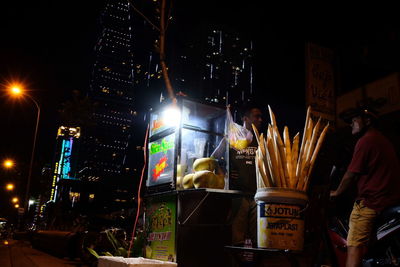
[375,160]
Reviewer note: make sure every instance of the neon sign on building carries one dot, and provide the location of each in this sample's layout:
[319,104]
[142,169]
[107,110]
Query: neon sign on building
[62,166]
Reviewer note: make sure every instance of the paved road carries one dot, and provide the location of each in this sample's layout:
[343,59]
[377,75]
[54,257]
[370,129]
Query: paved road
[20,254]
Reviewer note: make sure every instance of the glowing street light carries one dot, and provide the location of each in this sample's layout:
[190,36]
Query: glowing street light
[17,90]
[16,206]
[14,200]
[8,163]
[10,187]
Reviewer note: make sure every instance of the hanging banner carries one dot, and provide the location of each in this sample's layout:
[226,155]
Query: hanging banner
[320,82]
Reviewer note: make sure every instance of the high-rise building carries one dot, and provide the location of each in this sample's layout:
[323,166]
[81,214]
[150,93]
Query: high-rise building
[216,66]
[105,146]
[228,68]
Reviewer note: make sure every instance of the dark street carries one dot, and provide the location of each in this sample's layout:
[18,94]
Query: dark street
[19,253]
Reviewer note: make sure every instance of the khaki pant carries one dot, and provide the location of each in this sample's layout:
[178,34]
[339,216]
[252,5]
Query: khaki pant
[361,225]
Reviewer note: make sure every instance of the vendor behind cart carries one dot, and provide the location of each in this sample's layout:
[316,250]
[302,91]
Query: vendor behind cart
[243,178]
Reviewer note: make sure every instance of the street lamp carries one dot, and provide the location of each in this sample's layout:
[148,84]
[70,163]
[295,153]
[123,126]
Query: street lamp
[17,90]
[8,163]
[14,200]
[10,187]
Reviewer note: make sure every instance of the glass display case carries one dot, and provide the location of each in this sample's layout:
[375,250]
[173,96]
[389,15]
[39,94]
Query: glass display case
[187,138]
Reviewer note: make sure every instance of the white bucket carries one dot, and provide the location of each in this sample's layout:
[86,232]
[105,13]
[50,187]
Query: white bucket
[280,221]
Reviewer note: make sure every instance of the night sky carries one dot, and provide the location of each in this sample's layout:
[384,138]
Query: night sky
[49,45]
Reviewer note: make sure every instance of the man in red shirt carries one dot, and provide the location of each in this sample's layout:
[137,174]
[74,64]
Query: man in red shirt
[375,169]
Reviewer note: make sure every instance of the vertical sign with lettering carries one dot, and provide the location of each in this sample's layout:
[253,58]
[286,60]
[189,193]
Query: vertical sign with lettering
[160,228]
[320,82]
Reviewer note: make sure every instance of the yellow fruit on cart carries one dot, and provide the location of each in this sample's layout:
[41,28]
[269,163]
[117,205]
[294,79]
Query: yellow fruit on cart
[180,169]
[240,144]
[204,179]
[204,164]
[188,181]
[219,182]
[216,182]
[179,182]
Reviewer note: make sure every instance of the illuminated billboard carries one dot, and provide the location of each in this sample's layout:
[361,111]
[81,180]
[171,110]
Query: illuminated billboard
[63,165]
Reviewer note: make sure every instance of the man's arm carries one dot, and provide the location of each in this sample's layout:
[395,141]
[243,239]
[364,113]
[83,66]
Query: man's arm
[348,179]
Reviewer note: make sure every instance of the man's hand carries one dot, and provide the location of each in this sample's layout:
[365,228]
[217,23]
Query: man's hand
[333,194]
[347,181]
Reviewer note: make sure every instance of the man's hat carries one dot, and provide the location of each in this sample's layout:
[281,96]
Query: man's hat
[365,111]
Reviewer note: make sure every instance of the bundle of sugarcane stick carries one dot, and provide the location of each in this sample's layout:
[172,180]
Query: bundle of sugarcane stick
[280,163]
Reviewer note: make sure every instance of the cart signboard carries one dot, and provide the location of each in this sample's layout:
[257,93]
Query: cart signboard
[161,160]
[157,123]
[160,228]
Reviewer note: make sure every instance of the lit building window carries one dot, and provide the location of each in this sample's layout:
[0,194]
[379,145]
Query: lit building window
[74,196]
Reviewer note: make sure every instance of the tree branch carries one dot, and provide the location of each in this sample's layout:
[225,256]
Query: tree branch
[162,53]
[143,16]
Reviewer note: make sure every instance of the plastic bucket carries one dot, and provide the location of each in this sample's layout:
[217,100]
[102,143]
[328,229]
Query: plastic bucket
[280,220]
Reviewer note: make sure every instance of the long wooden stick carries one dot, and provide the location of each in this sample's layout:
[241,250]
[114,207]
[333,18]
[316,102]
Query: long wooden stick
[268,174]
[261,145]
[257,171]
[314,138]
[309,153]
[303,141]
[288,154]
[295,151]
[272,116]
[261,174]
[319,143]
[315,154]
[273,155]
[302,155]
[257,134]
[281,149]
[300,182]
[264,154]
[282,157]
[270,165]
[265,180]
[280,165]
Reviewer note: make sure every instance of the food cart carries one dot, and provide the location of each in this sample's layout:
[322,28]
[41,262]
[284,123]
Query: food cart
[188,216]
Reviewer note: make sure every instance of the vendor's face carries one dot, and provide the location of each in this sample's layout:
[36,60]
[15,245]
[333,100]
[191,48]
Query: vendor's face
[357,125]
[255,117]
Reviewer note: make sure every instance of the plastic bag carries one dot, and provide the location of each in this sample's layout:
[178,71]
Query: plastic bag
[239,137]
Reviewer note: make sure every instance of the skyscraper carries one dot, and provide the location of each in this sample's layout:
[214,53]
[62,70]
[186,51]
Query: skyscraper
[216,66]
[103,161]
[228,68]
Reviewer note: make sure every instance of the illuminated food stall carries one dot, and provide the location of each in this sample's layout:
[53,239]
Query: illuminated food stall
[187,201]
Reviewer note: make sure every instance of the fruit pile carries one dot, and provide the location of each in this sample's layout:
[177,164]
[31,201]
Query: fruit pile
[207,174]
